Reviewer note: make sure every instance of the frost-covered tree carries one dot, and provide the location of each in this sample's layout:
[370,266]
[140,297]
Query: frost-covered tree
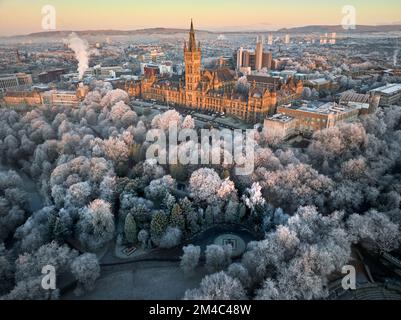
[375,231]
[227,191]
[113,97]
[31,290]
[80,179]
[143,237]
[96,225]
[337,144]
[204,185]
[6,270]
[139,207]
[296,185]
[13,200]
[171,238]
[28,271]
[164,120]
[298,258]
[238,271]
[35,231]
[122,115]
[268,291]
[254,200]
[190,258]
[217,257]
[217,286]
[151,170]
[188,123]
[158,188]
[232,213]
[86,270]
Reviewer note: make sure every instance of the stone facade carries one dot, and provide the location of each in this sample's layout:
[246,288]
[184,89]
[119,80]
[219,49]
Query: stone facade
[30,98]
[214,90]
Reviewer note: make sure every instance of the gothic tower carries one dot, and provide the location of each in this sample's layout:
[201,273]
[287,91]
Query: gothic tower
[192,58]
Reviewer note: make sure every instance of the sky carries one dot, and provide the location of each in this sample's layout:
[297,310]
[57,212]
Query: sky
[25,16]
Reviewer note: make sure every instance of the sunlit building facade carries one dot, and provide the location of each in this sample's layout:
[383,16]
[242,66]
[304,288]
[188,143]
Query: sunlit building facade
[213,90]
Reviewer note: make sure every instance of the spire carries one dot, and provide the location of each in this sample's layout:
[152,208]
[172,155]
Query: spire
[192,42]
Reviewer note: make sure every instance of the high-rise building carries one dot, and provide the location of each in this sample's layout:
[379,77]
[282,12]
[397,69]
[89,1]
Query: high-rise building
[267,60]
[246,61]
[270,39]
[256,60]
[239,57]
[259,53]
[287,39]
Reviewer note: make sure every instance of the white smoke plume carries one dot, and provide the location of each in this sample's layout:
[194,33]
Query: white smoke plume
[395,57]
[80,48]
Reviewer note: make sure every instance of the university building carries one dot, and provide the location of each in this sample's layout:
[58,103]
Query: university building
[305,119]
[51,97]
[14,81]
[214,90]
[390,94]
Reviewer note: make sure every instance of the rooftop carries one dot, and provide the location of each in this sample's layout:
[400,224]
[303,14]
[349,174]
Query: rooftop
[319,81]
[13,75]
[355,100]
[279,117]
[264,79]
[324,108]
[391,88]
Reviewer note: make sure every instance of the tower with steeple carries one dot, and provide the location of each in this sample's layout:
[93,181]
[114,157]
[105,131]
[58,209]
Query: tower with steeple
[192,59]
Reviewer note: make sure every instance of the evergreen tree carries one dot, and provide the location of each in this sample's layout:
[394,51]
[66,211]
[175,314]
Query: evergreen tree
[158,226]
[130,229]
[178,172]
[191,216]
[177,217]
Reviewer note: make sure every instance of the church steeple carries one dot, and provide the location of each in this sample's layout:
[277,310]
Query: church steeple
[192,42]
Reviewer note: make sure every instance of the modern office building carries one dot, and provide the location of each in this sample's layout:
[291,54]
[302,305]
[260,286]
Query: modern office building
[257,59]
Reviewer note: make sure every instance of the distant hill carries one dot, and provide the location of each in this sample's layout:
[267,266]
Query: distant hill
[172,31]
[65,33]
[339,29]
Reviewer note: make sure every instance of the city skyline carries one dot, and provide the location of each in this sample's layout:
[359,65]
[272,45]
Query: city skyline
[210,15]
